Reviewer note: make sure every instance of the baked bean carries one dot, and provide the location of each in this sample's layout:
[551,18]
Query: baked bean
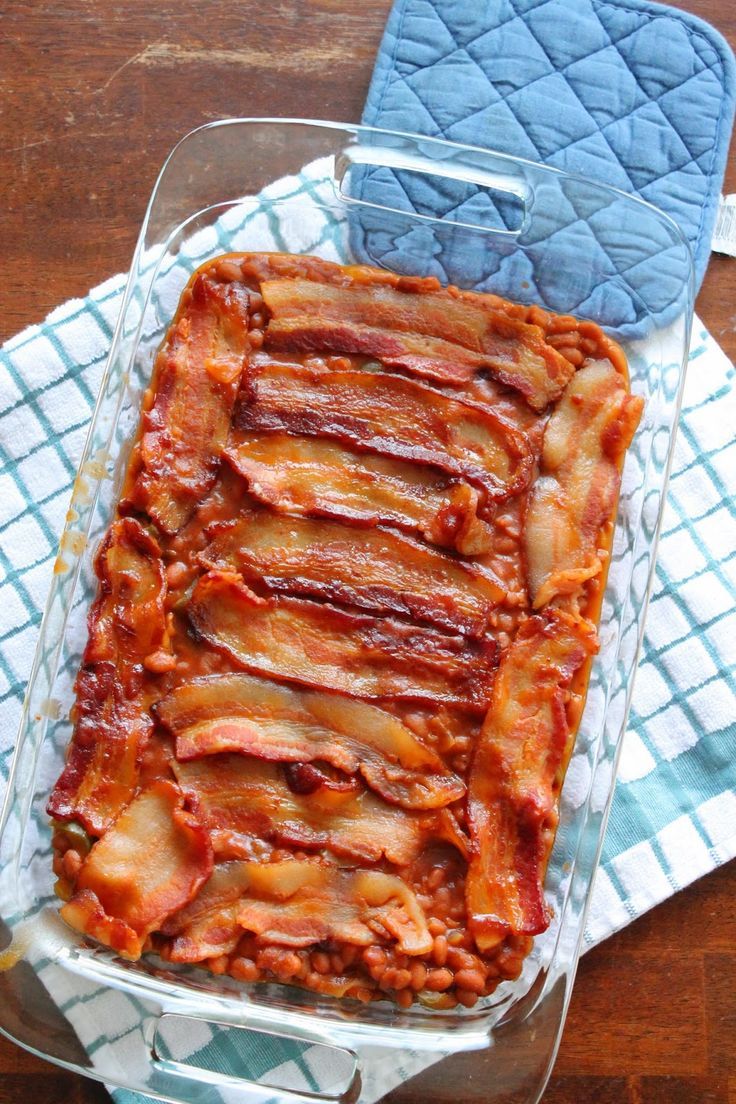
[218,965]
[460,959]
[436,927]
[288,965]
[470,979]
[228,272]
[438,980]
[244,969]
[574,356]
[374,956]
[561,341]
[439,950]
[418,973]
[457,912]
[256,321]
[455,938]
[466,997]
[349,954]
[176,574]
[436,877]
[158,663]
[538,317]
[321,962]
[339,363]
[404,998]
[71,864]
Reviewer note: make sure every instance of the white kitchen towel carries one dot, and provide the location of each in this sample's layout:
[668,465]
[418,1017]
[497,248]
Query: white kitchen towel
[674,812]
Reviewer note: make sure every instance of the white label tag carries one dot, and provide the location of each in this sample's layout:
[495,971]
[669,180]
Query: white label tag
[724,235]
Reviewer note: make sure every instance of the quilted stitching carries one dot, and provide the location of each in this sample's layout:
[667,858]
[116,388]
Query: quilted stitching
[639,96]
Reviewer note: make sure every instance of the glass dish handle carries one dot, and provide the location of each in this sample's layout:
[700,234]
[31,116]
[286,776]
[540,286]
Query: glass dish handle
[186,1080]
[467,174]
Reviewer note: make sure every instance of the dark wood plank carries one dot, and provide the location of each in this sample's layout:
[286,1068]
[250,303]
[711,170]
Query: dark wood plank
[94,96]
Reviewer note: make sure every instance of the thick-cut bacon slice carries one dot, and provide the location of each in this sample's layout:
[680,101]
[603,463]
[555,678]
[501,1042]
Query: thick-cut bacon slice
[240,713]
[372,568]
[197,377]
[514,777]
[208,925]
[444,336]
[126,624]
[297,904]
[575,495]
[149,864]
[312,476]
[101,772]
[389,415]
[240,799]
[321,646]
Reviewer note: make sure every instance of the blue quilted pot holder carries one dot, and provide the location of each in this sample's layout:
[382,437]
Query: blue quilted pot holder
[630,93]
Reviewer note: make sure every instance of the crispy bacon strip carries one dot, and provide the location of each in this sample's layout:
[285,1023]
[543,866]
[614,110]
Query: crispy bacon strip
[312,476]
[240,799]
[321,646]
[149,864]
[197,376]
[126,624]
[371,568]
[514,779]
[240,713]
[297,904]
[443,336]
[392,416]
[575,495]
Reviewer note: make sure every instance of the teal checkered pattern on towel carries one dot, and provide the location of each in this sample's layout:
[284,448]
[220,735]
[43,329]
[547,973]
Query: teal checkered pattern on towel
[674,813]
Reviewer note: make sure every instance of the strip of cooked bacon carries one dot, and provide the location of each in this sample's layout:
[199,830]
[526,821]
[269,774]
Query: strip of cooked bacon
[208,925]
[127,623]
[240,799]
[149,864]
[312,476]
[575,495]
[296,904]
[319,645]
[390,415]
[356,566]
[240,713]
[300,903]
[514,779]
[102,768]
[443,336]
[196,378]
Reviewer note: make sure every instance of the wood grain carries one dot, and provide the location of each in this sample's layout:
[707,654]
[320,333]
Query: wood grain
[94,95]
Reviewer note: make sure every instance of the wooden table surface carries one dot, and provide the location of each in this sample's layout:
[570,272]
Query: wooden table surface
[94,94]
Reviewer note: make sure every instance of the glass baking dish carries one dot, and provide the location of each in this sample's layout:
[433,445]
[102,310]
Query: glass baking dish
[527,231]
